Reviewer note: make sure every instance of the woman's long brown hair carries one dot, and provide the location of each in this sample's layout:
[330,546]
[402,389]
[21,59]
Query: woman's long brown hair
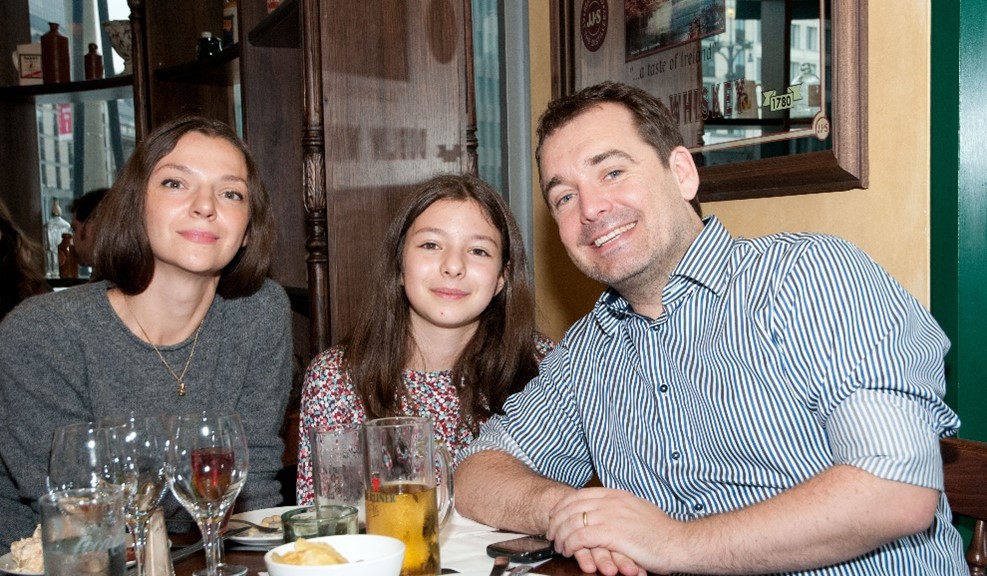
[22,267]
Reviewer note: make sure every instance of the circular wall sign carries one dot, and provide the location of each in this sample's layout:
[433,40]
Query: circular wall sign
[593,23]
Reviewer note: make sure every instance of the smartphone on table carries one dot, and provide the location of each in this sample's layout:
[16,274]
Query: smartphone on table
[522,550]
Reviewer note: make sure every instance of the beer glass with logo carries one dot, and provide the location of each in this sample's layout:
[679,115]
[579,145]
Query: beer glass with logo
[408,489]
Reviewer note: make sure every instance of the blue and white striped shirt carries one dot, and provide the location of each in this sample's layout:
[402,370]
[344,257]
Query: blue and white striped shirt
[775,359]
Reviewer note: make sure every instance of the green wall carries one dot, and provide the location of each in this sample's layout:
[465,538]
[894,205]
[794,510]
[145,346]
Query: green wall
[959,201]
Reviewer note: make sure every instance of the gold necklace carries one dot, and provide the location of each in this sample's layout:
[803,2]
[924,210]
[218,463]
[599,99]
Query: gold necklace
[178,378]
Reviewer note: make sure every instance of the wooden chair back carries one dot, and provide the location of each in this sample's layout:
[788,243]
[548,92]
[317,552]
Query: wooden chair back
[965,467]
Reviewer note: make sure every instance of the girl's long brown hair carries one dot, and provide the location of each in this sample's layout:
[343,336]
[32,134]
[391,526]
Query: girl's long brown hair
[500,357]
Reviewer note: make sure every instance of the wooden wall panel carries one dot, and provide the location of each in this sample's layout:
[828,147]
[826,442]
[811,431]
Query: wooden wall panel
[397,107]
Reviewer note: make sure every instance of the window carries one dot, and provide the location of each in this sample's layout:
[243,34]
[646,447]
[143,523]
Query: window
[83,141]
[812,38]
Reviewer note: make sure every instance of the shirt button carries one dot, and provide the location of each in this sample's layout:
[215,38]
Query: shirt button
[675,455]
[663,388]
[698,507]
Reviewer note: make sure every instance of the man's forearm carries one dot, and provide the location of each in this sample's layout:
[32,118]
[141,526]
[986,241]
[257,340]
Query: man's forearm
[498,490]
[838,515]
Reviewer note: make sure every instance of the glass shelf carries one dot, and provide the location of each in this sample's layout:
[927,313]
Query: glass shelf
[117,87]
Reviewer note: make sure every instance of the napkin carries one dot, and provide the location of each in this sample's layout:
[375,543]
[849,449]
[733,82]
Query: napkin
[463,545]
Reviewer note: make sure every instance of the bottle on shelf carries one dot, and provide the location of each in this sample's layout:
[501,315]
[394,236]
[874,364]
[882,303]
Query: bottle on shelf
[54,229]
[55,66]
[208,46]
[68,262]
[94,63]
[231,32]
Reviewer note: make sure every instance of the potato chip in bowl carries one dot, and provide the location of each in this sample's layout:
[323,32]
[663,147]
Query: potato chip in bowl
[346,555]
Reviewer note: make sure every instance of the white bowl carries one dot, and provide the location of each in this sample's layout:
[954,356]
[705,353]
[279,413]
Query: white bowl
[368,555]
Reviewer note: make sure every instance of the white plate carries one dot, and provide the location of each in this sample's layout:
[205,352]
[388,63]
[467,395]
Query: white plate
[256,516]
[8,566]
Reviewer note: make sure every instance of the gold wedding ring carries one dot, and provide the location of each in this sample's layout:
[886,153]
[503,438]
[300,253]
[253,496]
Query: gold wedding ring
[585,519]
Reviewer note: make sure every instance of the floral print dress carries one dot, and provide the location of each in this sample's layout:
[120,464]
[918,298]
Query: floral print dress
[328,397]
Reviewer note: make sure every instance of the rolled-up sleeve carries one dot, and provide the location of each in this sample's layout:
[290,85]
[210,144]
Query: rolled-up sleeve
[888,435]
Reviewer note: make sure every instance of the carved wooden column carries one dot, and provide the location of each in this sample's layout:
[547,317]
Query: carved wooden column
[314,179]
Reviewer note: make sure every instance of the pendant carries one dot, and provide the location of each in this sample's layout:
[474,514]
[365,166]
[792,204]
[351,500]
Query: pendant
[181,387]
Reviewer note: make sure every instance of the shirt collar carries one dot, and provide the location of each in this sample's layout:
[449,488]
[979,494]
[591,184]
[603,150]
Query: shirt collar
[704,263]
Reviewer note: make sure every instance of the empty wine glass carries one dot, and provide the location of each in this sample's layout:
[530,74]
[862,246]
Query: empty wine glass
[206,468]
[88,455]
[144,442]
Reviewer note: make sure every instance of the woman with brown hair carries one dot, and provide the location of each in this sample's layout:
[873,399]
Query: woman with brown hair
[182,317]
[448,331]
[21,265]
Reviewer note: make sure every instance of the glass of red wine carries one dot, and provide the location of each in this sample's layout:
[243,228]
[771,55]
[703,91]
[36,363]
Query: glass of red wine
[206,468]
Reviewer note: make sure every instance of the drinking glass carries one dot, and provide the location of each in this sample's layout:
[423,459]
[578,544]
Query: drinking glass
[144,442]
[402,495]
[206,469]
[83,532]
[337,467]
[88,455]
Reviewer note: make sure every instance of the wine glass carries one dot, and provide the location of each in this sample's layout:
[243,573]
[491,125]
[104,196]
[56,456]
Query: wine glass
[206,468]
[144,451]
[88,455]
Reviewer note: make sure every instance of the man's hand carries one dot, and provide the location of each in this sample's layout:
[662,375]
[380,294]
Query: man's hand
[607,530]
[607,563]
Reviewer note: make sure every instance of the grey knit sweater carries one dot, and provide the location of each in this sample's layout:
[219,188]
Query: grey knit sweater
[67,357]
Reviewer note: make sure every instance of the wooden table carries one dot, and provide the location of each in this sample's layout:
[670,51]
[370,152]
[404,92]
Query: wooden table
[254,561]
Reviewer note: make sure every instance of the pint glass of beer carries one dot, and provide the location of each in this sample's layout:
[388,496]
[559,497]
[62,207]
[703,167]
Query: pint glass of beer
[402,491]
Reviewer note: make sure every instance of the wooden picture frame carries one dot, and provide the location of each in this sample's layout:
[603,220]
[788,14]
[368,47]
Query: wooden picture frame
[842,165]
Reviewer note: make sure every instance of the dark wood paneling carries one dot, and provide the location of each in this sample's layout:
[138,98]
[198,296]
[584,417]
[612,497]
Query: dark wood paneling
[18,126]
[398,110]
[172,33]
[272,127]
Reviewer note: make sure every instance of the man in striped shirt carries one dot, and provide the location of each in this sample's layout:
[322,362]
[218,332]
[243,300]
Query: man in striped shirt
[769,405]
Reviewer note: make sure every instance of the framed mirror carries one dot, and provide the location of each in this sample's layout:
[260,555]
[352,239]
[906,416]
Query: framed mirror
[770,95]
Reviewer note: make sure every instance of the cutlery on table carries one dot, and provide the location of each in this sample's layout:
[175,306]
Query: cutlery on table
[265,529]
[519,570]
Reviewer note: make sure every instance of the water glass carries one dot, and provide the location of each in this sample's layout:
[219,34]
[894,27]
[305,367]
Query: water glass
[328,520]
[337,466]
[83,532]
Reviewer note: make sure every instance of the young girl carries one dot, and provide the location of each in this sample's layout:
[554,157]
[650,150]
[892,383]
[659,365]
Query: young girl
[448,331]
